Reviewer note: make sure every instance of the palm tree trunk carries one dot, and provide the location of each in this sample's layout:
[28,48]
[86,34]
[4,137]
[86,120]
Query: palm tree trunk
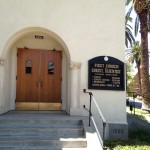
[139,78]
[144,60]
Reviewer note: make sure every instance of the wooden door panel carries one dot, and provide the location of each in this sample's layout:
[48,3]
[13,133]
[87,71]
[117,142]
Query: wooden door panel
[33,78]
[27,89]
[46,80]
[21,78]
[51,88]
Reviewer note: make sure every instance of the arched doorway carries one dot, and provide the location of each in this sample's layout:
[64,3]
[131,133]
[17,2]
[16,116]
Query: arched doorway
[40,40]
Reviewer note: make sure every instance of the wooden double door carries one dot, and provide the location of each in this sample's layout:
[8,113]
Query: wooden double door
[38,79]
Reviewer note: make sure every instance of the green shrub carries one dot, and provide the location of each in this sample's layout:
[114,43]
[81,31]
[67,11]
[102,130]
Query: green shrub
[141,135]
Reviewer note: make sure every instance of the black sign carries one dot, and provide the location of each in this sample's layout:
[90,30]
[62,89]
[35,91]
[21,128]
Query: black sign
[106,73]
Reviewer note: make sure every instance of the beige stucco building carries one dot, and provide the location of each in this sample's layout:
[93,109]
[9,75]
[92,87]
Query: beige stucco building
[80,30]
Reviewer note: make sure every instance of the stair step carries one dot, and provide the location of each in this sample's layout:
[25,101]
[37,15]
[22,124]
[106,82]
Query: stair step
[23,138]
[49,132]
[65,143]
[37,120]
[21,123]
[40,148]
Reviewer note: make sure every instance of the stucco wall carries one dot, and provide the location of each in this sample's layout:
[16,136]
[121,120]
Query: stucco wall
[89,28]
[92,26]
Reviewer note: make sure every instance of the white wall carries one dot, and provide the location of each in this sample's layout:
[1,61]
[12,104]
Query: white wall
[89,28]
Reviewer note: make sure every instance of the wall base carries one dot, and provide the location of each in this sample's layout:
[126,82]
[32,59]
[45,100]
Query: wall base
[117,131]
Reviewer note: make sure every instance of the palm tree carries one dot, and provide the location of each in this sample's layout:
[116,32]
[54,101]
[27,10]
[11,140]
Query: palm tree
[142,8]
[134,55]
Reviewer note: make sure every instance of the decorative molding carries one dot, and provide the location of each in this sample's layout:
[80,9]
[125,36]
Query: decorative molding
[2,61]
[75,65]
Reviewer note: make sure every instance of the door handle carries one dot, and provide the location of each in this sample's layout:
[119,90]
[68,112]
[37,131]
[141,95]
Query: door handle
[41,83]
[37,82]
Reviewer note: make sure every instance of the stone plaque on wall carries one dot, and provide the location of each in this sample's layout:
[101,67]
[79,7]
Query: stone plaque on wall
[106,73]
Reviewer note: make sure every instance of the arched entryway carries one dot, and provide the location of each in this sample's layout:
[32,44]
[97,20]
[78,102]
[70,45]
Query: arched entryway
[43,42]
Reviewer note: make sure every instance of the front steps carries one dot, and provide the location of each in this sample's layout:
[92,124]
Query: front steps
[41,131]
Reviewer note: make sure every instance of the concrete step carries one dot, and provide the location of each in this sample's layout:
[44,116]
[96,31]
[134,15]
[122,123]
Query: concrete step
[38,148]
[41,133]
[53,133]
[31,122]
[45,148]
[34,143]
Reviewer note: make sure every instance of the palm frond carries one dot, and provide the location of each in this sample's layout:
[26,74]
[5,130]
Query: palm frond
[128,32]
[129,37]
[128,2]
[128,15]
[136,25]
[129,26]
[128,19]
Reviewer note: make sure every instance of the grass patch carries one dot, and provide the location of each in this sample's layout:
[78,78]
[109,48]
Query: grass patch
[141,117]
[138,111]
[140,140]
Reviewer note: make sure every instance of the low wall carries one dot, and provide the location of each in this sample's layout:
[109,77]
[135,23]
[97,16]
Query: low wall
[135,123]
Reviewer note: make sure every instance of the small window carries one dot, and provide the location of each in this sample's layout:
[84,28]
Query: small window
[28,66]
[50,67]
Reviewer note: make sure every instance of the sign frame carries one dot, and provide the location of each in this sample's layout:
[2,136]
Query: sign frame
[106,73]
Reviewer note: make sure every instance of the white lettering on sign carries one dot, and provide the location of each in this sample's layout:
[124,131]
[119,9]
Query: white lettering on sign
[112,66]
[112,71]
[97,70]
[99,65]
